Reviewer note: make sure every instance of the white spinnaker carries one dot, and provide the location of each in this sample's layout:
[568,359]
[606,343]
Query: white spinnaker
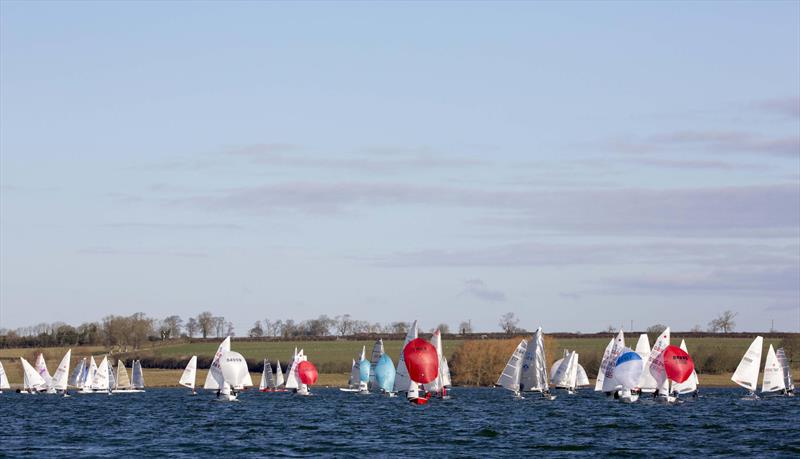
[690,385]
[234,370]
[509,378]
[609,383]
[787,369]
[746,374]
[534,371]
[401,380]
[41,367]
[655,362]
[646,383]
[773,373]
[3,378]
[100,379]
[214,377]
[278,374]
[31,378]
[61,376]
[598,384]
[188,377]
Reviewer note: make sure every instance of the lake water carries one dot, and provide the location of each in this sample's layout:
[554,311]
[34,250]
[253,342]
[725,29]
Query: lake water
[475,422]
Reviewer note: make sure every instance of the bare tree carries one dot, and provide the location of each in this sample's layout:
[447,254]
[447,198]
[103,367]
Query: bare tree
[191,327]
[256,331]
[508,322]
[205,320]
[230,330]
[465,327]
[723,323]
[344,325]
[400,327]
[173,325]
[219,326]
[443,328]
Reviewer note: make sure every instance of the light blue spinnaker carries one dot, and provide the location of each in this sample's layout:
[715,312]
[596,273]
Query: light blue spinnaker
[385,372]
[363,370]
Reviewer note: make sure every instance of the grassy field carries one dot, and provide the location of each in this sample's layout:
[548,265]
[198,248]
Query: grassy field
[333,358]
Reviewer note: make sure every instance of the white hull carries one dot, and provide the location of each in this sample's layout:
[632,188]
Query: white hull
[127,391]
[227,397]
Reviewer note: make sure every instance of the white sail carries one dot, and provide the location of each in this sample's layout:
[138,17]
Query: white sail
[41,367]
[292,379]
[234,370]
[77,374]
[581,379]
[646,382]
[534,371]
[188,377]
[278,374]
[355,374]
[214,377]
[402,381]
[598,384]
[267,381]
[377,352]
[3,378]
[123,381]
[86,383]
[746,374]
[436,384]
[787,369]
[100,378]
[609,383]
[773,373]
[509,378]
[655,362]
[61,375]
[445,372]
[112,381]
[31,378]
[137,376]
[561,374]
[690,385]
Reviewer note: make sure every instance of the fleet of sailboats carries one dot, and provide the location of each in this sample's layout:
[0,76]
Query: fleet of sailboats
[422,371]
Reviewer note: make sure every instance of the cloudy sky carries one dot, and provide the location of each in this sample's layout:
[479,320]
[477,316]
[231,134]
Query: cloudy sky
[581,165]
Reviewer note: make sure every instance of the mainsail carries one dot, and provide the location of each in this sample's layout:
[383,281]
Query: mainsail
[402,381]
[609,383]
[188,376]
[377,352]
[601,374]
[123,382]
[787,370]
[31,378]
[76,379]
[100,378]
[278,374]
[773,373]
[214,375]
[534,366]
[655,362]
[3,378]
[41,368]
[60,377]
[137,376]
[746,374]
[509,378]
[646,383]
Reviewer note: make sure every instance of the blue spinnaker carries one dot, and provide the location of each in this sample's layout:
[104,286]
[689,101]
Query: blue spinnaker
[363,370]
[385,372]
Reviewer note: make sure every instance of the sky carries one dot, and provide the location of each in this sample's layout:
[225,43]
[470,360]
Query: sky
[580,164]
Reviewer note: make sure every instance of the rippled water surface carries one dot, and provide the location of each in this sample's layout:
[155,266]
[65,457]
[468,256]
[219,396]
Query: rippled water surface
[475,422]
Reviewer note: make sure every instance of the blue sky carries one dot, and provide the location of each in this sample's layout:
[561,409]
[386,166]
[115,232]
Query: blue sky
[578,164]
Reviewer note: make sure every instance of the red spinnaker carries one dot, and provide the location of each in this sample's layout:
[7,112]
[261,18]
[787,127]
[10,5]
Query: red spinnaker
[307,372]
[678,364]
[421,360]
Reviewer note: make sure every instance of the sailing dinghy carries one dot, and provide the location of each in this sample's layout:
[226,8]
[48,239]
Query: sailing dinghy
[214,375]
[3,379]
[233,375]
[189,375]
[647,384]
[773,374]
[534,368]
[269,381]
[301,374]
[402,382]
[442,382]
[655,366]
[385,374]
[41,368]
[32,380]
[123,385]
[60,380]
[422,363]
[787,372]
[690,385]
[746,374]
[627,373]
[509,378]
[377,353]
